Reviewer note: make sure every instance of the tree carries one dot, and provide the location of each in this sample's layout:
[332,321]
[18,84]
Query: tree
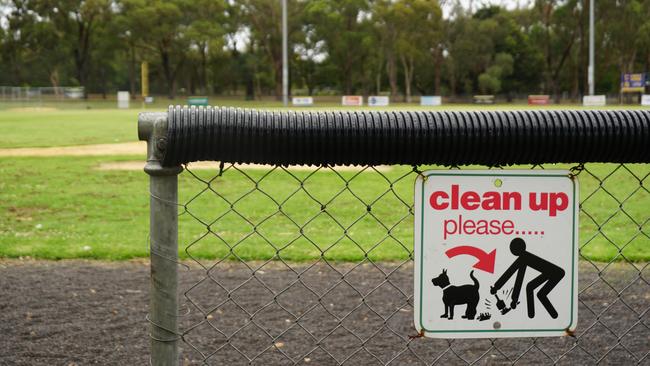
[420,35]
[205,32]
[492,79]
[28,57]
[264,20]
[74,22]
[344,26]
[161,28]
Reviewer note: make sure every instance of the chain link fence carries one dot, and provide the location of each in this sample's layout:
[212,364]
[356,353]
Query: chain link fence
[40,94]
[314,265]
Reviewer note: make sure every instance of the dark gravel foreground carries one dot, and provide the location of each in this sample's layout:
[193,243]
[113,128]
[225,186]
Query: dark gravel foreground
[91,312]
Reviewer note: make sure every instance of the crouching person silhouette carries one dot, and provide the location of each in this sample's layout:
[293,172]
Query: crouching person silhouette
[550,275]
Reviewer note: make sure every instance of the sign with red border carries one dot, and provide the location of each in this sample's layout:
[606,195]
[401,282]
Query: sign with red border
[496,253]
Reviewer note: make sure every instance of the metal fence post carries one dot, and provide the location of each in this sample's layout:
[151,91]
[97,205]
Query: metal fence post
[163,227]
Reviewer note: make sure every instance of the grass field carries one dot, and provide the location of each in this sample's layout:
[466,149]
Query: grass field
[64,207]
[42,127]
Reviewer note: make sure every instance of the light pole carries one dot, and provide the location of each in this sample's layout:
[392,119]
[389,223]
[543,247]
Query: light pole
[285,61]
[590,71]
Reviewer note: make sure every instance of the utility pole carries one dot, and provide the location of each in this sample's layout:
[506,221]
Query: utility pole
[285,61]
[590,71]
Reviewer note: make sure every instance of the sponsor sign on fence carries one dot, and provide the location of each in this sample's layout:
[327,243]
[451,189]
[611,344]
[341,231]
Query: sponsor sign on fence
[302,101]
[352,100]
[496,253]
[594,100]
[631,83]
[378,101]
[123,98]
[431,100]
[197,101]
[539,100]
[645,100]
[484,99]
[74,93]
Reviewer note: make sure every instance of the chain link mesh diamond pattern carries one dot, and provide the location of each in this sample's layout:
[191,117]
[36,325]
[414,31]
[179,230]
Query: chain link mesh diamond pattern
[314,265]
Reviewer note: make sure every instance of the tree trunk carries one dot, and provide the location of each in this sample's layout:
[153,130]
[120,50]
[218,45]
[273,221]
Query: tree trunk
[54,79]
[392,74]
[169,75]
[102,75]
[132,71]
[81,53]
[204,68]
[437,67]
[378,82]
[407,64]
[278,79]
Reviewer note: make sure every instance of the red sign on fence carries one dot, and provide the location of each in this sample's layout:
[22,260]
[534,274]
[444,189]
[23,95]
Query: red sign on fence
[539,100]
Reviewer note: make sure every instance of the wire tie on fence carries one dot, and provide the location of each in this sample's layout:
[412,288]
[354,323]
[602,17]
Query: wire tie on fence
[569,333]
[178,335]
[419,335]
[417,171]
[164,200]
[187,313]
[575,171]
[221,165]
[153,251]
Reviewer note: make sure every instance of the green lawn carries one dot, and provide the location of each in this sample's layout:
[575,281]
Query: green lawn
[63,207]
[64,127]
[41,128]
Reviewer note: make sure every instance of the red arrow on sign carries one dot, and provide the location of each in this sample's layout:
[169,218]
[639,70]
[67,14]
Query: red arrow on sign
[485,260]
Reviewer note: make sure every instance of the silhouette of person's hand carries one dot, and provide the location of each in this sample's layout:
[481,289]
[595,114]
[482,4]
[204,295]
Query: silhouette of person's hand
[513,304]
[493,290]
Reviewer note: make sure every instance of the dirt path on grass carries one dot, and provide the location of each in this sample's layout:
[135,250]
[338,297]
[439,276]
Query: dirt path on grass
[91,312]
[133,148]
[126,148]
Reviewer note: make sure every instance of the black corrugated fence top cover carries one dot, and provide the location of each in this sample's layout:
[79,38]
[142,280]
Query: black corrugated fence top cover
[406,137]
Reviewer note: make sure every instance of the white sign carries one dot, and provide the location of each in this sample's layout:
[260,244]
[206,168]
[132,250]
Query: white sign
[594,101]
[302,101]
[431,100]
[378,101]
[123,99]
[352,100]
[645,100]
[74,93]
[496,253]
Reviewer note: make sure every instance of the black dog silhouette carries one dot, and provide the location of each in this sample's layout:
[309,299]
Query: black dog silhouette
[457,295]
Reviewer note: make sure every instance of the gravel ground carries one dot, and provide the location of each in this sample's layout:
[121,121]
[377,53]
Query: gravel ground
[91,312]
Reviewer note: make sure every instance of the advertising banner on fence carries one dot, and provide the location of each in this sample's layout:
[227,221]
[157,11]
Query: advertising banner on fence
[432,100]
[539,100]
[594,101]
[378,101]
[631,83]
[302,101]
[352,100]
[496,253]
[123,99]
[645,100]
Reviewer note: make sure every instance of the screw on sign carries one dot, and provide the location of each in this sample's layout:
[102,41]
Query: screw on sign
[482,237]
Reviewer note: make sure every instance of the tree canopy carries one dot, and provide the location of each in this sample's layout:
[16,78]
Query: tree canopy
[398,47]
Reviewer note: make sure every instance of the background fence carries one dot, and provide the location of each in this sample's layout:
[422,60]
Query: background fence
[313,265]
[40,94]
